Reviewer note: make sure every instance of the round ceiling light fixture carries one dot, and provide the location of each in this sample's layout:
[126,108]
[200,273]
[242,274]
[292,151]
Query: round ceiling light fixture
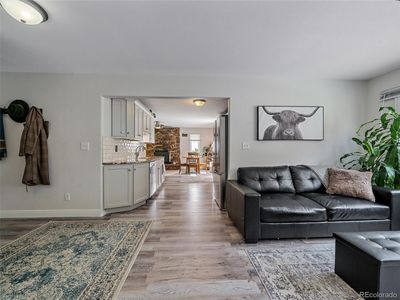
[25,11]
[199,102]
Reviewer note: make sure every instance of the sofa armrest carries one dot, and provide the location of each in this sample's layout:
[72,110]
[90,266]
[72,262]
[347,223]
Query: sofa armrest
[243,206]
[390,198]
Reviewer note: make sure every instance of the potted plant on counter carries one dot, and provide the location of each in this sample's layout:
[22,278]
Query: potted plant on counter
[379,141]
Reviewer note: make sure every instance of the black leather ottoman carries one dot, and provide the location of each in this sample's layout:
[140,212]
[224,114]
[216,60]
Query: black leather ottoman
[370,262]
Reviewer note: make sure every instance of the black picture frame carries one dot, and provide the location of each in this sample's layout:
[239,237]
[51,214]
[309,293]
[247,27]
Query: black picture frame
[290,107]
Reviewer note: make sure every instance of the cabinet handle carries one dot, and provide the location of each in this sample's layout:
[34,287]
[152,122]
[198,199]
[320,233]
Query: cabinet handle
[122,132]
[127,132]
[129,170]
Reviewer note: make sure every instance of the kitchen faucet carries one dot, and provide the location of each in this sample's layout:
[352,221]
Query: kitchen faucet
[137,151]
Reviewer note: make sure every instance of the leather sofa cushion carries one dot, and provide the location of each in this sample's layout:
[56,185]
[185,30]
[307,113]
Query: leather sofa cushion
[285,207]
[267,179]
[305,180]
[347,208]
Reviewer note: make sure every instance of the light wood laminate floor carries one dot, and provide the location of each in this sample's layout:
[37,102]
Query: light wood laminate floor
[192,251]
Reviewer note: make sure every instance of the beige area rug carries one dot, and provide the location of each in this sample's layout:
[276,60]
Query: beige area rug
[299,272]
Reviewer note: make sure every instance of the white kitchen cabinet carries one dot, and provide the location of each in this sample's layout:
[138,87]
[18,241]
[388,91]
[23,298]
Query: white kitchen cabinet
[118,117]
[130,119]
[160,172]
[146,123]
[152,133]
[141,182]
[139,114]
[118,186]
[148,119]
[122,118]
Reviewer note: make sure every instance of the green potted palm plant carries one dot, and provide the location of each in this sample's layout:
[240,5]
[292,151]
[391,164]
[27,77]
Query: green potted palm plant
[379,143]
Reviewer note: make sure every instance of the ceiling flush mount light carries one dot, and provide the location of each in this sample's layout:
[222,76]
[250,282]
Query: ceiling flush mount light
[25,11]
[199,102]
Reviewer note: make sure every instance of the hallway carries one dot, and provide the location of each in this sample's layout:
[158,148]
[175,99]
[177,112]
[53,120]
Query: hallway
[189,252]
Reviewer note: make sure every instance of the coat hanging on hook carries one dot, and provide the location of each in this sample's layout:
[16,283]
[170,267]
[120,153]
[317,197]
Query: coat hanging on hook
[34,147]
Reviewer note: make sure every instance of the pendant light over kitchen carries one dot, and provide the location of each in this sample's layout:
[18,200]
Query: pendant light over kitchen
[25,11]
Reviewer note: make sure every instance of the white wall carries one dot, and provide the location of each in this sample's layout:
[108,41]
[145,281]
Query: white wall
[377,85]
[206,138]
[72,105]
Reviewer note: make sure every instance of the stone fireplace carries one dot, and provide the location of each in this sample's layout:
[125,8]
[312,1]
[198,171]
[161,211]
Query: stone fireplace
[164,153]
[166,139]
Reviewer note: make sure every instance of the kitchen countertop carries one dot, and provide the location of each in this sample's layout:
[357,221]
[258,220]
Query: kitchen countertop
[140,161]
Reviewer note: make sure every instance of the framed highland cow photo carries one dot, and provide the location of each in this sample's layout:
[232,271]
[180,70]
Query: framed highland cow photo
[301,123]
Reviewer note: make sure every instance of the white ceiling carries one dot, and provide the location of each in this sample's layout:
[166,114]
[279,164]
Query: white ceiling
[181,112]
[307,39]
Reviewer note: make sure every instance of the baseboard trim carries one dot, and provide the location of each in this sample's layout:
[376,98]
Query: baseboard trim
[51,213]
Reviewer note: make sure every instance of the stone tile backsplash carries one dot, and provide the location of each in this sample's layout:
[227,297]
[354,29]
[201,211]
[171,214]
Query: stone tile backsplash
[125,150]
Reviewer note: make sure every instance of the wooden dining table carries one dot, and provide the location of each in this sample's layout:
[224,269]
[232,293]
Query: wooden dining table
[188,163]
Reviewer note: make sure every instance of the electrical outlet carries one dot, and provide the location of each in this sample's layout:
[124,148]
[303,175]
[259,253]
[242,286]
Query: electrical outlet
[245,145]
[67,196]
[85,146]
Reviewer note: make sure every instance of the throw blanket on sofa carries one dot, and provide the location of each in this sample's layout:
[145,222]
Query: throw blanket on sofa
[321,172]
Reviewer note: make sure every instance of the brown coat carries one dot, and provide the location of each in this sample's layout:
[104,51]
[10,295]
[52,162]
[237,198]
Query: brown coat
[34,147]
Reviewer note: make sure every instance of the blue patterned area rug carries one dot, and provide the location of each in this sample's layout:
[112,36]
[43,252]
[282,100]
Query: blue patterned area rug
[300,272]
[71,260]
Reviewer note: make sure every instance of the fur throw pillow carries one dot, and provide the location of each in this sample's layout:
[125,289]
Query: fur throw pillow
[350,183]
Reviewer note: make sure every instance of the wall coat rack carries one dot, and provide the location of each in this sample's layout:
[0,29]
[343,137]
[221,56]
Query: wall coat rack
[17,110]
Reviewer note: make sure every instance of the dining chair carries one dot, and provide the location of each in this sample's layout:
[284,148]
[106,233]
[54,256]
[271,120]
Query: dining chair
[192,162]
[181,165]
[204,163]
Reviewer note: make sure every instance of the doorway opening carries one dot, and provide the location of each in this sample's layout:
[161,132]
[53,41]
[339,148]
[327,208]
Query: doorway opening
[188,136]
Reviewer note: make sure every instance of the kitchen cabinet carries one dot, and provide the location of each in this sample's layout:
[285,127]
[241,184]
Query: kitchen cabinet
[149,119]
[130,120]
[141,182]
[118,186]
[139,114]
[156,175]
[118,117]
[122,118]
[146,123]
[160,172]
[152,133]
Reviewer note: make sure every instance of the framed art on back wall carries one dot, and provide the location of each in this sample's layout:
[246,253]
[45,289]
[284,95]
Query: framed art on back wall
[302,123]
